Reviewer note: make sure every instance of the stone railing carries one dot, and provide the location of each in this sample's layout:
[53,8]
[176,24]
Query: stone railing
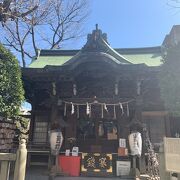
[20,163]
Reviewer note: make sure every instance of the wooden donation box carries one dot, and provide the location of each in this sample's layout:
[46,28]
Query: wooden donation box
[96,164]
[70,165]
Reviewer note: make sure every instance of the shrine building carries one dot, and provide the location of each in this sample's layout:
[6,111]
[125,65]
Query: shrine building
[97,95]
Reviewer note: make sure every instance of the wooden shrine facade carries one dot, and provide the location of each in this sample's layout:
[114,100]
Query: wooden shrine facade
[95,96]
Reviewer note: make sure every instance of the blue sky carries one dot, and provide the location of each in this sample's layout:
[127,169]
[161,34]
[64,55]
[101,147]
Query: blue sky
[131,23]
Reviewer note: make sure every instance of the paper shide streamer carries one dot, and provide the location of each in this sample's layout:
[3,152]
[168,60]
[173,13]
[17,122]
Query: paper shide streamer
[65,109]
[102,105]
[72,108]
[87,109]
[105,107]
[114,112]
[127,109]
[121,107]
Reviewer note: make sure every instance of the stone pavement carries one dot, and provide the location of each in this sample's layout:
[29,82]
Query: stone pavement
[41,173]
[89,178]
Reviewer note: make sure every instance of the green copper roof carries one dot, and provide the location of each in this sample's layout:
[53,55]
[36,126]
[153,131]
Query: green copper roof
[42,61]
[148,59]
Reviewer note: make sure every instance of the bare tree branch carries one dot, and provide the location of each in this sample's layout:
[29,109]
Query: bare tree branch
[47,26]
[64,23]
[10,44]
[20,42]
[33,40]
[10,9]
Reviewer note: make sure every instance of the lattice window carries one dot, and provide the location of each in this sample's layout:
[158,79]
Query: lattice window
[40,131]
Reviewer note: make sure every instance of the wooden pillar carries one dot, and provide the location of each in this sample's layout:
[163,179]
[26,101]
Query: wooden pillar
[167,125]
[71,129]
[54,110]
[31,129]
[119,128]
[138,111]
[96,123]
[137,125]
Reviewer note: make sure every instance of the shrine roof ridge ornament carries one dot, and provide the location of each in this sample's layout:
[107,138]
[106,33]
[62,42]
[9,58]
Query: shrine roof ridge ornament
[94,38]
[97,48]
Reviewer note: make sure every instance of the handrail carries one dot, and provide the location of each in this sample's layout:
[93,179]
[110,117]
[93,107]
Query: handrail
[7,157]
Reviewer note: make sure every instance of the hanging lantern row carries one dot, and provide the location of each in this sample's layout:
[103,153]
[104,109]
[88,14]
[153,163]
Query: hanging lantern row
[104,107]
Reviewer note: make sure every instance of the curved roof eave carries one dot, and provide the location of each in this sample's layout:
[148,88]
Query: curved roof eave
[115,53]
[84,57]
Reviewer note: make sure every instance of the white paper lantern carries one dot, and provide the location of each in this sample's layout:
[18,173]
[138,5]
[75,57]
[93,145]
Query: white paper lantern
[55,139]
[135,143]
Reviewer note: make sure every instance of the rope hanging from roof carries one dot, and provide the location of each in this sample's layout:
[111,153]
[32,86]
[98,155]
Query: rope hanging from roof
[122,106]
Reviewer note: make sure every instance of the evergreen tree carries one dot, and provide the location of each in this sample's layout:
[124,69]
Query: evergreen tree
[11,89]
